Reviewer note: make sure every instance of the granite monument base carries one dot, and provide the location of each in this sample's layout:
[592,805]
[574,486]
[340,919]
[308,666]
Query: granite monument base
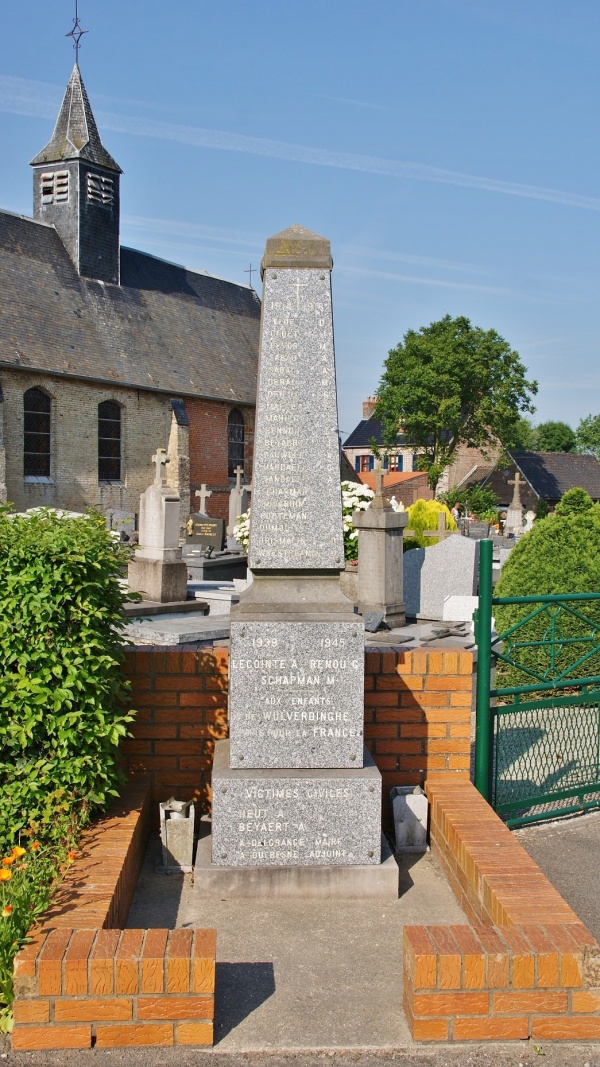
[162,581]
[286,817]
[359,882]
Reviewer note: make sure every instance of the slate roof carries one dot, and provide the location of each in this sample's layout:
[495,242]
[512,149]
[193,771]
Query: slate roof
[364,433]
[164,328]
[551,474]
[76,134]
[547,475]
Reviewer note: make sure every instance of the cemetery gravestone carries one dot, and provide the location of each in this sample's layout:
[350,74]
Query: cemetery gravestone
[292,788]
[449,568]
[157,570]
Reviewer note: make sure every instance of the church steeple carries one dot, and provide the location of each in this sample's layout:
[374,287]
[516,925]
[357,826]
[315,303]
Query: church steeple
[76,187]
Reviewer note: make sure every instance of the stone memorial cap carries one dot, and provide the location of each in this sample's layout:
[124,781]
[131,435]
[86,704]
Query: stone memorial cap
[297,247]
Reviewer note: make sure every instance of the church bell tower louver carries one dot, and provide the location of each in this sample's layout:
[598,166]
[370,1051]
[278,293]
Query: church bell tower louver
[76,187]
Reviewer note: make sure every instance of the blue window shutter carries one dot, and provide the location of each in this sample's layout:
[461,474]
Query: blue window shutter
[415,463]
[357,464]
[400,462]
[371,463]
[385,464]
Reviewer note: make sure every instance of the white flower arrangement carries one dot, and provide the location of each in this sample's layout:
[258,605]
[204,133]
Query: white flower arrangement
[355,497]
[241,530]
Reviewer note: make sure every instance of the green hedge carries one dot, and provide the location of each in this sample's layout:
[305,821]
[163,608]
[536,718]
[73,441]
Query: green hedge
[561,554]
[62,694]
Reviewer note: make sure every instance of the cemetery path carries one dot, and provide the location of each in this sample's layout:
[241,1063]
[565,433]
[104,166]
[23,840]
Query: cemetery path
[568,852]
[304,974]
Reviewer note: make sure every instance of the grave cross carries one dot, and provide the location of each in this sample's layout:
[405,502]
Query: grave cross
[160,459]
[379,502]
[204,494]
[516,481]
[238,476]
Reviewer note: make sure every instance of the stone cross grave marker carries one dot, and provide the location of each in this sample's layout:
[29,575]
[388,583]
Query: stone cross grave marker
[204,493]
[160,460]
[291,787]
[514,514]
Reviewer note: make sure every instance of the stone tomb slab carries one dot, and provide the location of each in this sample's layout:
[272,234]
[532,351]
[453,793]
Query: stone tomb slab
[295,818]
[296,694]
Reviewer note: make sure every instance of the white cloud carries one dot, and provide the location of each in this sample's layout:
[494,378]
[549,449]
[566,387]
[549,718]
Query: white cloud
[23,96]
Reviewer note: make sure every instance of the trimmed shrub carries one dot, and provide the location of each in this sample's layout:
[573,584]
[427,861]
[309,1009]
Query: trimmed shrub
[423,515]
[61,689]
[574,502]
[561,554]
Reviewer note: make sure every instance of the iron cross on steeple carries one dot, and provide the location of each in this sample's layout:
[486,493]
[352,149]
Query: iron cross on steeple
[251,270]
[76,33]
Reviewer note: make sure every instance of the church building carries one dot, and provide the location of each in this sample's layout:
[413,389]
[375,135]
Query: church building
[108,353]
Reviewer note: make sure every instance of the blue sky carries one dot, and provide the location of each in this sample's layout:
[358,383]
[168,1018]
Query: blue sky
[448,148]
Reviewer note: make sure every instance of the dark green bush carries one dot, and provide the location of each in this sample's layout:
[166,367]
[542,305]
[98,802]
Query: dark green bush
[62,694]
[561,554]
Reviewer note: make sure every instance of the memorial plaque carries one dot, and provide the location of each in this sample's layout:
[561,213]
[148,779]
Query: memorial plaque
[296,518]
[315,818]
[200,530]
[297,694]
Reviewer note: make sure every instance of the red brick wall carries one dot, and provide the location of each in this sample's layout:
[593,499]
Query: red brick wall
[417,716]
[208,450]
[526,968]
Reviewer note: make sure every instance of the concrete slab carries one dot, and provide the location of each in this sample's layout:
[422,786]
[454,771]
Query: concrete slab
[304,974]
[317,883]
[176,629]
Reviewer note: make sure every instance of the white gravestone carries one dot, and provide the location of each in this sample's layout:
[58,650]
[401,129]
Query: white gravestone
[238,505]
[157,570]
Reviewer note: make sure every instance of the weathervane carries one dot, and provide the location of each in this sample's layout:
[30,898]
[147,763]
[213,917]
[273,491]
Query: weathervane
[76,33]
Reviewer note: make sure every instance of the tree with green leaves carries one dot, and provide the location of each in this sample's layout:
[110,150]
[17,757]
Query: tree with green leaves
[451,383]
[554,437]
[588,435]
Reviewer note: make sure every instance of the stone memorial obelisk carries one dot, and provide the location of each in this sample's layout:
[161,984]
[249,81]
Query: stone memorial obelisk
[296,797]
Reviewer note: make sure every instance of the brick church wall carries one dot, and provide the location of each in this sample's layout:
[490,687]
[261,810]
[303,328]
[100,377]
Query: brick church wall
[74,458]
[209,451]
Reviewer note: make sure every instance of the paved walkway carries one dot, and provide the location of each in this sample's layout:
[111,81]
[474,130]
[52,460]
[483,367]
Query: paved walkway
[568,851]
[304,974]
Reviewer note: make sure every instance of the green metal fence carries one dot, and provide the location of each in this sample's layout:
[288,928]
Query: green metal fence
[537,744]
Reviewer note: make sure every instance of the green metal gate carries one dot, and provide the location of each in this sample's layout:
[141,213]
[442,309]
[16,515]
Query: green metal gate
[537,744]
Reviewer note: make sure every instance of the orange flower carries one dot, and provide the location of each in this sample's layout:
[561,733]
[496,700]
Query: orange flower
[8,860]
[35,845]
[5,875]
[71,856]
[6,911]
[18,852]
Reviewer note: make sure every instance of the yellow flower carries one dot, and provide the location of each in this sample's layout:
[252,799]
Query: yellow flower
[5,875]
[6,862]
[6,911]
[18,852]
[35,845]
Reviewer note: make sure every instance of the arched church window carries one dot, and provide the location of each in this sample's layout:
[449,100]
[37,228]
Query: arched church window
[36,437]
[235,441]
[109,441]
